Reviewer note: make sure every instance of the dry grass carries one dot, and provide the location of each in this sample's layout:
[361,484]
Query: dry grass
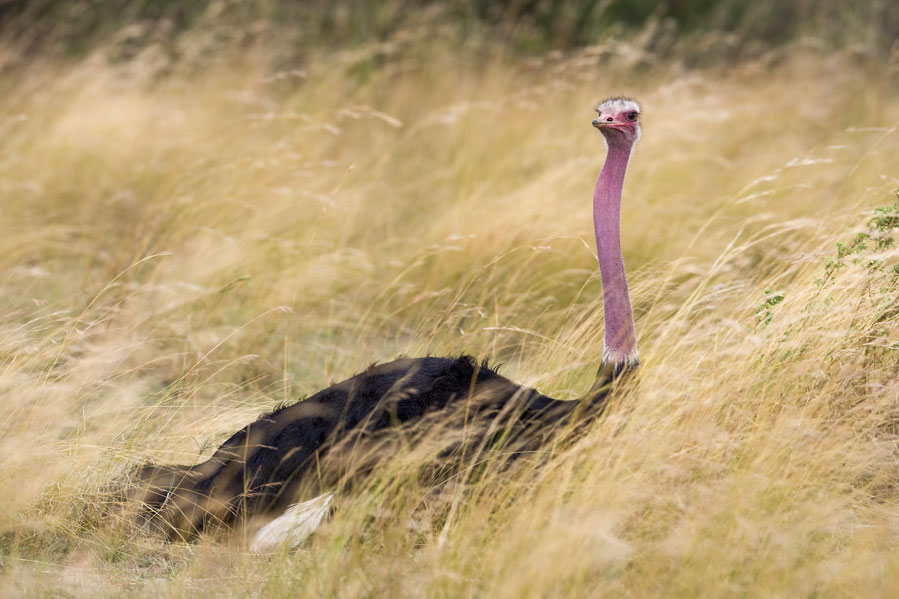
[184,248]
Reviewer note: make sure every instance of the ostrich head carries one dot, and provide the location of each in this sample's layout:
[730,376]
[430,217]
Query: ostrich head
[618,121]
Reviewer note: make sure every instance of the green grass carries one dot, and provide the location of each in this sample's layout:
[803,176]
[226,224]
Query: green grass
[185,248]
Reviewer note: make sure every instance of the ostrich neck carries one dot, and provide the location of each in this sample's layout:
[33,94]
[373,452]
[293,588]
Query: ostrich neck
[620,349]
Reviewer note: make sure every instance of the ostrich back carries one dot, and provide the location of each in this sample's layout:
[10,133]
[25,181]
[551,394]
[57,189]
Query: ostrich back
[342,432]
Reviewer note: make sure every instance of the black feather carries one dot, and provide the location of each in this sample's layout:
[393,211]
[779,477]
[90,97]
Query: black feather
[260,467]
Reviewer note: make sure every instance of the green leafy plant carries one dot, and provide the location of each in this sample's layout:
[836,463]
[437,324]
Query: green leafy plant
[764,313]
[878,237]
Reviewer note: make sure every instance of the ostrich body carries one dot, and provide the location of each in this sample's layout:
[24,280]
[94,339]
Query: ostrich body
[263,468]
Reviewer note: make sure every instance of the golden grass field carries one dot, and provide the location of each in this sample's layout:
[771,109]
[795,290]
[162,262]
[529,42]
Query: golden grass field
[185,247]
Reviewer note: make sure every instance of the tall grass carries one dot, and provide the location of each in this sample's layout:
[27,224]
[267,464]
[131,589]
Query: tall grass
[186,247]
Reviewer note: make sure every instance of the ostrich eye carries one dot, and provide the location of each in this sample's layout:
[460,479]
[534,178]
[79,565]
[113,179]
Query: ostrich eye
[632,116]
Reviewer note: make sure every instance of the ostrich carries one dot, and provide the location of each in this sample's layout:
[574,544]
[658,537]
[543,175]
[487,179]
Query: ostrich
[262,468]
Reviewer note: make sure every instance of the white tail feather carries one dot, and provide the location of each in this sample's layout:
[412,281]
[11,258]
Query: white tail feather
[297,522]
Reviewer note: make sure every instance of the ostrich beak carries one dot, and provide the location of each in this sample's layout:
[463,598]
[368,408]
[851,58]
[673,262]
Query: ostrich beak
[604,121]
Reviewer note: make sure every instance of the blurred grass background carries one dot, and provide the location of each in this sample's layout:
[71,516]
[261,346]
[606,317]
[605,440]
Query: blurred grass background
[532,25]
[213,207]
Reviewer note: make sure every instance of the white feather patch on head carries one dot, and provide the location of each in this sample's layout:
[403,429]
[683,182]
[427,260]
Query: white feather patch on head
[618,105]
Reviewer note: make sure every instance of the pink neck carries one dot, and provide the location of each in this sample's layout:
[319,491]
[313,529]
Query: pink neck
[621,340]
